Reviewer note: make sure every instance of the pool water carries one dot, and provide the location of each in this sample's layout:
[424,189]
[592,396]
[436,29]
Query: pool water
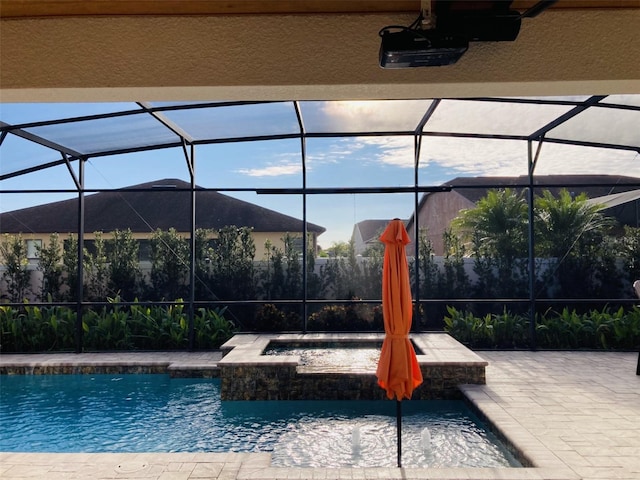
[361,358]
[155,413]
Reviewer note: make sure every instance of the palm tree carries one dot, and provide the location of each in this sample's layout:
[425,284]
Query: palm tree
[573,232]
[563,222]
[497,230]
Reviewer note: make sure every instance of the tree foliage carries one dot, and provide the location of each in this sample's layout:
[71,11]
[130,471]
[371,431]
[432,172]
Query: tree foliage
[169,264]
[574,235]
[16,274]
[497,232]
[124,266]
[564,224]
[232,269]
[96,272]
[50,264]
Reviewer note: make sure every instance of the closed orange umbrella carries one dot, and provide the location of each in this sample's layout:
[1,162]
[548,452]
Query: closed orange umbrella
[398,370]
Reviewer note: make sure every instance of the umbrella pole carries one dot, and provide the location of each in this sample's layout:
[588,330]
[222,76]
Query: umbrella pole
[399,430]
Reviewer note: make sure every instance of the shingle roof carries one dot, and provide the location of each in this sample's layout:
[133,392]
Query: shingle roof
[581,183]
[369,228]
[144,211]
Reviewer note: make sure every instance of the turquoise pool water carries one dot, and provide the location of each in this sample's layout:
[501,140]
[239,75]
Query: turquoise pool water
[155,413]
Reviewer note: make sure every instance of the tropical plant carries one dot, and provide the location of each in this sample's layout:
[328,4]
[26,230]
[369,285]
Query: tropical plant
[37,328]
[500,218]
[574,234]
[566,329]
[173,322]
[630,253]
[108,328]
[478,331]
[212,328]
[562,221]
[12,332]
[497,231]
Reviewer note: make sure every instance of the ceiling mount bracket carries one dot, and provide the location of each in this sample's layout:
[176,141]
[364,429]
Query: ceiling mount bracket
[427,19]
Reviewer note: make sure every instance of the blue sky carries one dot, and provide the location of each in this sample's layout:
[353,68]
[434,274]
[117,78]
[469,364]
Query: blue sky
[331,162]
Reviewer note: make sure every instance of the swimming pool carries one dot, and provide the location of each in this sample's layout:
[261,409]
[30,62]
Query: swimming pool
[156,413]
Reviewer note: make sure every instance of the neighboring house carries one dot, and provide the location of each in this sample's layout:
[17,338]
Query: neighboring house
[159,207]
[436,210]
[624,206]
[367,233]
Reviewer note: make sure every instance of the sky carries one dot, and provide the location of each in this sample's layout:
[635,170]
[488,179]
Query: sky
[360,161]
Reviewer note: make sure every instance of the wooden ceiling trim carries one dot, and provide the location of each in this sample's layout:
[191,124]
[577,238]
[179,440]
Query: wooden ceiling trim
[47,8]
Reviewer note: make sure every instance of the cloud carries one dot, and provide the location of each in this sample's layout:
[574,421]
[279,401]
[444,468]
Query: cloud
[567,159]
[370,115]
[499,118]
[472,156]
[272,170]
[331,150]
[488,157]
[393,151]
[494,157]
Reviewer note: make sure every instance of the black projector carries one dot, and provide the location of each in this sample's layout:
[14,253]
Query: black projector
[420,48]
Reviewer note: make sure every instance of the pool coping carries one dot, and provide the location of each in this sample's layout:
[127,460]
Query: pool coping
[438,348]
[176,364]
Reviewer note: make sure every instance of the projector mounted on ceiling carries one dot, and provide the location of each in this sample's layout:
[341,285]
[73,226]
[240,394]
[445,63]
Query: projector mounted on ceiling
[420,48]
[452,26]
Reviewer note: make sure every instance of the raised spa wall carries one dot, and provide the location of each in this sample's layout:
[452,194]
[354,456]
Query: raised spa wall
[247,374]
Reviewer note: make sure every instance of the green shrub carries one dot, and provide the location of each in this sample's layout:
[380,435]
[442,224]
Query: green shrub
[111,327]
[505,330]
[354,316]
[270,318]
[108,328]
[36,329]
[212,329]
[565,330]
[16,273]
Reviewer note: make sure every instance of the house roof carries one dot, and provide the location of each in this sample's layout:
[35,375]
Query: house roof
[146,207]
[616,199]
[370,228]
[474,188]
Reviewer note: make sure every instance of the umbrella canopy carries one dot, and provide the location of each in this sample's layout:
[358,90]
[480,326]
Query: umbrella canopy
[398,370]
